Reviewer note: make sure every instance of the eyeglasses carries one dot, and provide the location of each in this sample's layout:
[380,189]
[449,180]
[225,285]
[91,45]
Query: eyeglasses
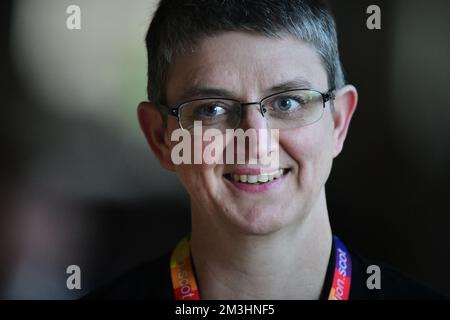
[283,110]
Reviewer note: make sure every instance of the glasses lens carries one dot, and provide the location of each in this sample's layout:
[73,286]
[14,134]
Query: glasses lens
[213,113]
[293,109]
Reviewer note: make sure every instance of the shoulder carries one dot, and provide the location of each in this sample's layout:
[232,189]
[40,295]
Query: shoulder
[148,281]
[392,284]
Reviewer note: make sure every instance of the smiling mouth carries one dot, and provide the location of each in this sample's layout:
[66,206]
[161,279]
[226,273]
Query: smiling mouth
[256,179]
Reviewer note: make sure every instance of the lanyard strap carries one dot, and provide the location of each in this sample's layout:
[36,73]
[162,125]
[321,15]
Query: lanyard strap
[340,287]
[185,286]
[183,279]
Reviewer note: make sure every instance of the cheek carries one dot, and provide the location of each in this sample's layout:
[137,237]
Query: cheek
[311,150]
[199,183]
[201,180]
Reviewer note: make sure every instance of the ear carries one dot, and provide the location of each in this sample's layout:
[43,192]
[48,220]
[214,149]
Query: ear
[156,133]
[344,105]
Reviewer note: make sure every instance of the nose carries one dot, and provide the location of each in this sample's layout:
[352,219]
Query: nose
[253,117]
[259,143]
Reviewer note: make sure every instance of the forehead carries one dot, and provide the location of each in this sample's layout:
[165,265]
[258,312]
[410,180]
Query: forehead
[246,65]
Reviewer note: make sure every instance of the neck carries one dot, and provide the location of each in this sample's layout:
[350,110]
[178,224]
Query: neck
[287,264]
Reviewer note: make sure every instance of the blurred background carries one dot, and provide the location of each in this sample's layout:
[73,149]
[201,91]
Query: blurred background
[78,184]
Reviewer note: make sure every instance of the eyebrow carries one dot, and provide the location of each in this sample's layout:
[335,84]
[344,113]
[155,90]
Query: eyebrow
[297,83]
[201,91]
[197,92]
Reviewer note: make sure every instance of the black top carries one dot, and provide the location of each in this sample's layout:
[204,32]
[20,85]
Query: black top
[152,281]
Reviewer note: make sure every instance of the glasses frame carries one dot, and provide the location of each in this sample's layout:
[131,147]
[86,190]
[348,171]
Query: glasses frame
[176,110]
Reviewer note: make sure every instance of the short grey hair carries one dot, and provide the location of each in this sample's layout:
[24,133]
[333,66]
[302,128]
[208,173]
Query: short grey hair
[178,25]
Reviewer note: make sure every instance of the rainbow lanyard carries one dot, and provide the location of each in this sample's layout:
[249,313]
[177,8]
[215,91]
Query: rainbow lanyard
[185,286]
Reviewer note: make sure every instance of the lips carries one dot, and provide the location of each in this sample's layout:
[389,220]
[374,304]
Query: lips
[256,182]
[255,177]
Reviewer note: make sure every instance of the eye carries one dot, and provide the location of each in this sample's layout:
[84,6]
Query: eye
[211,110]
[288,103]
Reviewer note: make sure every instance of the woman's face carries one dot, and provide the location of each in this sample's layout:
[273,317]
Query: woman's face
[247,66]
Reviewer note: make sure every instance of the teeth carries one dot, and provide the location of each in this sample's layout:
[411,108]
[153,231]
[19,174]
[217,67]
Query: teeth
[262,178]
[278,174]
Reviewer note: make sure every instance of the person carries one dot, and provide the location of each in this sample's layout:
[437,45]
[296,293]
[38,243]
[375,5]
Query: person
[258,231]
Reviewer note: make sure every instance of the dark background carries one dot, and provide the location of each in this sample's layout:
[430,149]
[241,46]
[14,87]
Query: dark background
[76,189]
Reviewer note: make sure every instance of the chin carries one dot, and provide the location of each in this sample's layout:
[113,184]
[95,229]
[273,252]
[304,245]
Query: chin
[257,221]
